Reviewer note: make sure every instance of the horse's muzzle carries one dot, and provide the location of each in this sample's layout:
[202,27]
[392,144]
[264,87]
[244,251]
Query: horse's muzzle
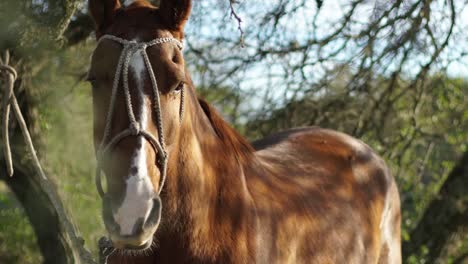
[143,229]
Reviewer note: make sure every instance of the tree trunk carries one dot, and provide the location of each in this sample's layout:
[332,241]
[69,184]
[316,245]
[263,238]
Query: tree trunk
[445,216]
[51,238]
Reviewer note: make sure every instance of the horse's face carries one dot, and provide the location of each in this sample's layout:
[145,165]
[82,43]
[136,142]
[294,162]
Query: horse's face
[132,206]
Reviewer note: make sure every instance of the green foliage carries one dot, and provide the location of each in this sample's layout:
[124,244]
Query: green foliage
[17,238]
[66,118]
[31,28]
[226,100]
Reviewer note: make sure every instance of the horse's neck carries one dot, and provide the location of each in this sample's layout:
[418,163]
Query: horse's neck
[208,200]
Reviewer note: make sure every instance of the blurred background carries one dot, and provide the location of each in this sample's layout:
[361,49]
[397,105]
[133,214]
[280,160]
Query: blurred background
[392,73]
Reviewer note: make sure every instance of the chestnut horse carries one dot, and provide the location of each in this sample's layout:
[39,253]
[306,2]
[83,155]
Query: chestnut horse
[185,187]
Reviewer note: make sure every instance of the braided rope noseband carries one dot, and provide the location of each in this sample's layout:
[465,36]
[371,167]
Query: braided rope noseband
[130,48]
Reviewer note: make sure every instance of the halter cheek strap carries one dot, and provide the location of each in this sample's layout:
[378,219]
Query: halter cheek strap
[130,48]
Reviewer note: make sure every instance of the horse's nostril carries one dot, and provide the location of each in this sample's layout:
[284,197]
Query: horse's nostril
[139,144]
[155,216]
[109,220]
[138,228]
[134,170]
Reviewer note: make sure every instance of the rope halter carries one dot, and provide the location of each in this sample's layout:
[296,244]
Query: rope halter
[130,48]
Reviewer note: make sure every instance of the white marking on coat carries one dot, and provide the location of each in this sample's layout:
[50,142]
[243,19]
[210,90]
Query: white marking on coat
[138,201]
[137,204]
[138,67]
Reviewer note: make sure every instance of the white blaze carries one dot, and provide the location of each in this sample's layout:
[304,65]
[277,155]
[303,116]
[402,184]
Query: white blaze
[138,201]
[137,204]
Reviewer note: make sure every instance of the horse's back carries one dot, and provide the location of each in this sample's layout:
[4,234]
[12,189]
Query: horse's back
[331,199]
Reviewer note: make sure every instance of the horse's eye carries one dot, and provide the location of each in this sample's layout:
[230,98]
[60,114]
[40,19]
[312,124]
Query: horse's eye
[179,87]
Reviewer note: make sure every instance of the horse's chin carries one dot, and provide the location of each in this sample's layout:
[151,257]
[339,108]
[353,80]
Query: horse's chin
[133,247]
[144,249]
[143,246]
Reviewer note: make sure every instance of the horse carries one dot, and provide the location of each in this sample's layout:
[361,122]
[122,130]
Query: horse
[182,186]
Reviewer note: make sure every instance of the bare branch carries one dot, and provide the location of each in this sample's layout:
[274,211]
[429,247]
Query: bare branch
[239,21]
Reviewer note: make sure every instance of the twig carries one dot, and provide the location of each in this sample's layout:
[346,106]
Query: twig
[239,21]
[11,77]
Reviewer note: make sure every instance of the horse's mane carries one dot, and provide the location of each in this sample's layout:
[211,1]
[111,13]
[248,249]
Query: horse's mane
[229,137]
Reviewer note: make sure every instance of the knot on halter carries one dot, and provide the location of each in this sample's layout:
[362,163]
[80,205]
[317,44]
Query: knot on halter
[10,70]
[135,128]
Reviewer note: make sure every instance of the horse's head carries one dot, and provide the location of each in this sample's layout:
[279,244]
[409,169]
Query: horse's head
[138,79]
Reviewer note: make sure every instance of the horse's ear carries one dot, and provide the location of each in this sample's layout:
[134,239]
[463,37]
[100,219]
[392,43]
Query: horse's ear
[175,13]
[103,13]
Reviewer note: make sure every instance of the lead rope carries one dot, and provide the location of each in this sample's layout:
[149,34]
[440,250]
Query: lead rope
[130,48]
